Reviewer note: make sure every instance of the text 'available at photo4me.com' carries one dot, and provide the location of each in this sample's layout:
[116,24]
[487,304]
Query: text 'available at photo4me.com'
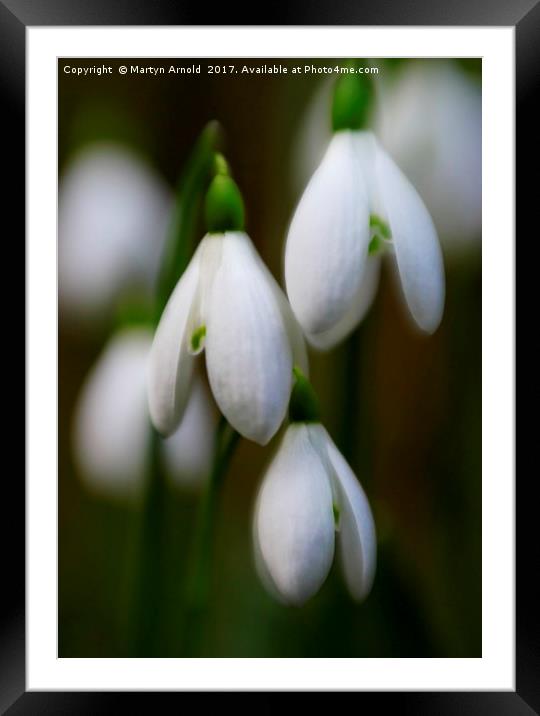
[82,70]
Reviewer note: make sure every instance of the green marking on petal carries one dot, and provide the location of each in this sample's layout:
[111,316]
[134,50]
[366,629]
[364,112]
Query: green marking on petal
[375,245]
[380,235]
[380,227]
[197,338]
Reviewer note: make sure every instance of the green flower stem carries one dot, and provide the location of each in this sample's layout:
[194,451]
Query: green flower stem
[186,212]
[351,388]
[199,584]
[152,543]
[183,231]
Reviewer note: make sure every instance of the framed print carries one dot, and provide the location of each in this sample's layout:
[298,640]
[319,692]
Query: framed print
[270,357]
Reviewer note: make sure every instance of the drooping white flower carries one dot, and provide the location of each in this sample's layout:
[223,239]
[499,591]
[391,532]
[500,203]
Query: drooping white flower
[113,213]
[228,303]
[309,500]
[112,425]
[430,120]
[358,202]
[327,263]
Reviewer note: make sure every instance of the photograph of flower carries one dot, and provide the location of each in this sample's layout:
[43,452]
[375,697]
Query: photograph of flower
[269,298]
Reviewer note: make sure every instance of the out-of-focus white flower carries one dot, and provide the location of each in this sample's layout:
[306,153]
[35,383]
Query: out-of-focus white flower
[357,203]
[310,497]
[188,451]
[113,213]
[112,424]
[430,120]
[228,303]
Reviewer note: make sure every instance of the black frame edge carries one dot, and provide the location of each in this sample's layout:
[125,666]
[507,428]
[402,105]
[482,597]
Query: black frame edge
[12,92]
[526,16]
[293,12]
[527,544]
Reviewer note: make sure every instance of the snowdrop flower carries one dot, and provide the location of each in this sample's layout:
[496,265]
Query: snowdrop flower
[112,424]
[113,213]
[228,304]
[358,205]
[430,121]
[309,500]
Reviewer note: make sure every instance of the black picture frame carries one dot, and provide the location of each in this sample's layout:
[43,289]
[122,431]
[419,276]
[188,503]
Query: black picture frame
[15,16]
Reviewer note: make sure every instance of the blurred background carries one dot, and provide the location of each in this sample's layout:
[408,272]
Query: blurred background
[405,409]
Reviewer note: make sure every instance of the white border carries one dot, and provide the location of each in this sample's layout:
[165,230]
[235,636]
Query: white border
[495,670]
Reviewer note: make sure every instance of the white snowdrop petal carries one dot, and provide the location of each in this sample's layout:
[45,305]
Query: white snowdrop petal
[294,332]
[111,425]
[365,148]
[357,543]
[293,328]
[188,451]
[294,519]
[260,565]
[209,252]
[417,250]
[359,307]
[248,356]
[328,239]
[171,365]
